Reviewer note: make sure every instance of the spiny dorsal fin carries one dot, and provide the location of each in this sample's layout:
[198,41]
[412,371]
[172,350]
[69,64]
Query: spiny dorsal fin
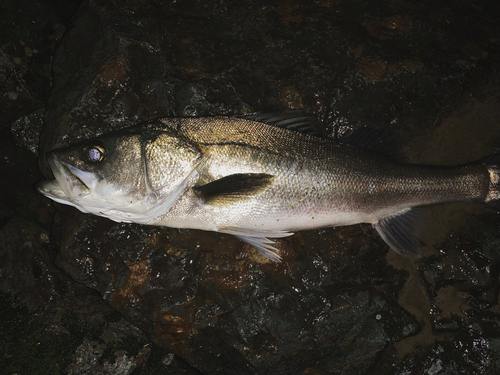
[233,188]
[298,121]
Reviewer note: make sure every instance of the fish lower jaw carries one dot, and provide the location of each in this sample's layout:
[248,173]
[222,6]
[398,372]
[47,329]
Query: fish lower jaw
[51,189]
[85,203]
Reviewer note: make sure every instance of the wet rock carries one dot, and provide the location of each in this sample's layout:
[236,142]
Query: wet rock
[50,324]
[463,280]
[192,302]
[77,334]
[233,311]
[29,33]
[48,321]
[26,130]
[332,306]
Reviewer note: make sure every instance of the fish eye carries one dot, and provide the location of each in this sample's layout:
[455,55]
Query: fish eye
[94,153]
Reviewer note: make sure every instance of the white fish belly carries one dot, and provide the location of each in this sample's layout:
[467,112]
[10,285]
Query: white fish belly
[263,215]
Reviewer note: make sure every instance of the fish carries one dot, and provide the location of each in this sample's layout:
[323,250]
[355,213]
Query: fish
[259,177]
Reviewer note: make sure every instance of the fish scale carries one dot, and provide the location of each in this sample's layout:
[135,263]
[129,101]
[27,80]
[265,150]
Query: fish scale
[256,180]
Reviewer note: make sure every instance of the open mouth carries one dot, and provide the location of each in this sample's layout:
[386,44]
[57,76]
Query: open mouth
[70,183]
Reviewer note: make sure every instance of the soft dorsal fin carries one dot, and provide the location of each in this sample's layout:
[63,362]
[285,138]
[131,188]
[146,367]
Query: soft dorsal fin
[298,121]
[233,188]
[374,140]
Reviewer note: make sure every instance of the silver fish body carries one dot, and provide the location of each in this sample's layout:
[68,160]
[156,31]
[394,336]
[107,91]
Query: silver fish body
[255,181]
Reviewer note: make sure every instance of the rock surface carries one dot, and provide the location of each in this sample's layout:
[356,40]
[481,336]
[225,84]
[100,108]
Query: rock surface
[82,294]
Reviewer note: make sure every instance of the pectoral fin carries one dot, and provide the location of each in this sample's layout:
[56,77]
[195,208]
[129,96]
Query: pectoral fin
[233,188]
[259,240]
[398,231]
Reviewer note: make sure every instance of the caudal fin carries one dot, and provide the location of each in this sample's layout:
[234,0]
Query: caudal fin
[493,165]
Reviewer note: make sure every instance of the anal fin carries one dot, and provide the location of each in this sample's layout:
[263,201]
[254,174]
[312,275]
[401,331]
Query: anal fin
[398,231]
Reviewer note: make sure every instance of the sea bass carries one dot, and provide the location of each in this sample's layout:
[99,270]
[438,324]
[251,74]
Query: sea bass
[254,178]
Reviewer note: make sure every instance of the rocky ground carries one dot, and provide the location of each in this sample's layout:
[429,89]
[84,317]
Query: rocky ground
[84,295]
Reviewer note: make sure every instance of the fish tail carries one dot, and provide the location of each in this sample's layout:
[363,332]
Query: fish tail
[493,165]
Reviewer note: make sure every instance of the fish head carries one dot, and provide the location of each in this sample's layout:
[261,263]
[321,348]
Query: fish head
[129,176]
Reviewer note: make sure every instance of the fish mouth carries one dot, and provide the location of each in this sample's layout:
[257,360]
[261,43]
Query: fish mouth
[70,184]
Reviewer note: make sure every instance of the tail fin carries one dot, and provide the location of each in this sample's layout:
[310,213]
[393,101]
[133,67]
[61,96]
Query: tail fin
[493,165]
